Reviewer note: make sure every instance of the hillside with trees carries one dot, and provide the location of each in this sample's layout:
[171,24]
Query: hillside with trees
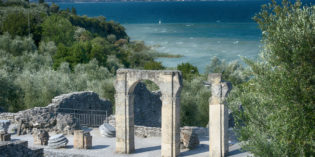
[46,52]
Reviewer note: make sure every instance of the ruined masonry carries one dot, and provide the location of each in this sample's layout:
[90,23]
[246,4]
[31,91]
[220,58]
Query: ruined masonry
[218,116]
[170,84]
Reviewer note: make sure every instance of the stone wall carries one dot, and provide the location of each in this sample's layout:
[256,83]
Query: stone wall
[147,106]
[19,149]
[54,117]
[145,131]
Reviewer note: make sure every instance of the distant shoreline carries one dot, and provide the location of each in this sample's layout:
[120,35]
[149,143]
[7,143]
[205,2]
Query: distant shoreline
[102,1]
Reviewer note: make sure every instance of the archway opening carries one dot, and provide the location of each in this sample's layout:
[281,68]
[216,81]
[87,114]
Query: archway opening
[147,104]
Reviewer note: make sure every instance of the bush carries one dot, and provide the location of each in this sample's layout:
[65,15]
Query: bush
[152,65]
[277,116]
[189,71]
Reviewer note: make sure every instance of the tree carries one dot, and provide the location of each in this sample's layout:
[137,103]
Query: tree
[54,8]
[74,11]
[41,1]
[16,24]
[276,117]
[58,29]
[188,70]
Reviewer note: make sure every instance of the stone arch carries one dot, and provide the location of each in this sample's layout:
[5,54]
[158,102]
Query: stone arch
[170,84]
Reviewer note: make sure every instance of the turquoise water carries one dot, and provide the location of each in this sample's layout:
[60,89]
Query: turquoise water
[196,30]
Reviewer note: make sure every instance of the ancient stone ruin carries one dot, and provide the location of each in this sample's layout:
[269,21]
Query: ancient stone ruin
[147,106]
[170,83]
[218,116]
[66,113]
[40,137]
[82,139]
[135,104]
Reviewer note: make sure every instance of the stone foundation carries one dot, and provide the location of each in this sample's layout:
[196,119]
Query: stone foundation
[19,149]
[5,137]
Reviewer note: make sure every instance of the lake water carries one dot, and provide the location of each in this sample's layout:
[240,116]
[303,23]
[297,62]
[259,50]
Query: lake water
[196,30]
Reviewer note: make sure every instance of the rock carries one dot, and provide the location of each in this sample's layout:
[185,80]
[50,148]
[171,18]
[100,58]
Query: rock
[5,137]
[189,139]
[66,124]
[12,129]
[57,141]
[107,130]
[82,139]
[18,148]
[4,126]
[41,137]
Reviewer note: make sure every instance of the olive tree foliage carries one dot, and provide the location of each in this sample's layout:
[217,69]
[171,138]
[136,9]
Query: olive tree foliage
[16,45]
[29,80]
[233,71]
[194,102]
[276,117]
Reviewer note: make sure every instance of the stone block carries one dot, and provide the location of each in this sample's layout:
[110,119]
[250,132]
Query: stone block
[189,139]
[82,140]
[40,137]
[5,137]
[4,125]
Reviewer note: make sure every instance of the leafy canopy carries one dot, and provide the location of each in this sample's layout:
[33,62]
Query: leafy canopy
[276,117]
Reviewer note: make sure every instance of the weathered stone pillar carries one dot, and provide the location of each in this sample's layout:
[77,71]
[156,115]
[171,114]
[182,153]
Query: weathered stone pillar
[124,116]
[218,116]
[170,127]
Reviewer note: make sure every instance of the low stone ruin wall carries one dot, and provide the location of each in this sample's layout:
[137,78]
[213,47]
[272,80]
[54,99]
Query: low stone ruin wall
[143,131]
[52,118]
[19,149]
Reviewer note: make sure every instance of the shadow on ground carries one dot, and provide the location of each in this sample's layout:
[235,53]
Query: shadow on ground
[200,149]
[147,149]
[100,146]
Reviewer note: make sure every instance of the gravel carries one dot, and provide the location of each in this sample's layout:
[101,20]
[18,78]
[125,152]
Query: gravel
[145,147]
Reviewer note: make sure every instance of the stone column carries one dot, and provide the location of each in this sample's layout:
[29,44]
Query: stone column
[124,116]
[170,127]
[170,118]
[218,116]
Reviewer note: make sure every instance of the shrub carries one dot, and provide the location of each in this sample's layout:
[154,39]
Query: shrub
[152,65]
[189,71]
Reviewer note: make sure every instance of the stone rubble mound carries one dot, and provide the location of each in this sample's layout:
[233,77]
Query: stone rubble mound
[107,130]
[4,126]
[57,141]
[189,139]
